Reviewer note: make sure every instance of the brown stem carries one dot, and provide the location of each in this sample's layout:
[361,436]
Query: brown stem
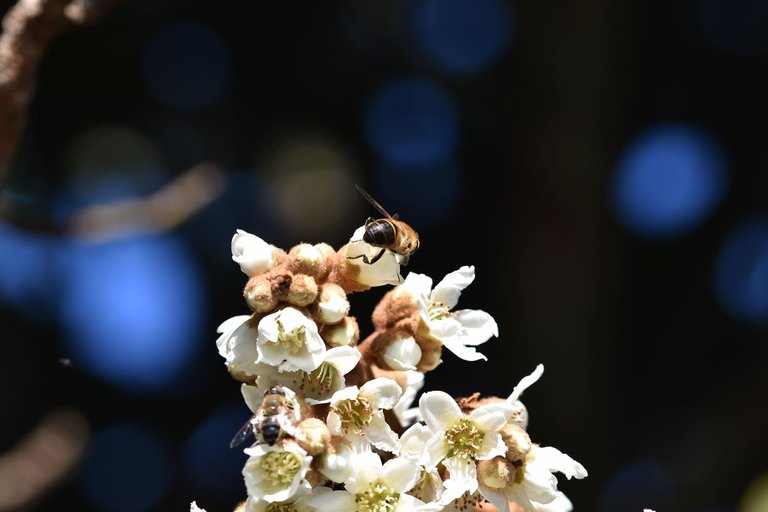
[28,28]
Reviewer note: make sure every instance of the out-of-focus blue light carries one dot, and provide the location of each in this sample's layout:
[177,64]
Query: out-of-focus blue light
[400,190]
[211,467]
[412,122]
[126,469]
[462,36]
[24,260]
[132,310]
[735,26]
[187,65]
[637,486]
[741,274]
[668,180]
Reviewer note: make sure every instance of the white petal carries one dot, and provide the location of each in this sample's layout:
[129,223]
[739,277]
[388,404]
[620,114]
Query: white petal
[439,410]
[498,499]
[525,383]
[408,503]
[463,477]
[385,271]
[478,326]
[382,392]
[367,467]
[334,423]
[491,416]
[449,289]
[420,285]
[555,460]
[243,350]
[336,466]
[540,485]
[253,396]
[344,359]
[253,254]
[381,435]
[561,503]
[413,442]
[400,474]
[226,329]
[403,354]
[268,329]
[493,446]
[348,393]
[435,450]
[194,508]
[458,349]
[334,500]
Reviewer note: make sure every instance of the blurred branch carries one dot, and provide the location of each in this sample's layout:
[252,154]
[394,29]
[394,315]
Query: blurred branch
[42,459]
[161,211]
[28,28]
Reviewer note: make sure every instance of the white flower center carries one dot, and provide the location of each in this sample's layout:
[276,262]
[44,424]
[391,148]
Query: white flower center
[292,341]
[355,414]
[438,311]
[464,439]
[280,468]
[379,497]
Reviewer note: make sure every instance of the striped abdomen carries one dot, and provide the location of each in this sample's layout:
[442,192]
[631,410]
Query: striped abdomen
[380,233]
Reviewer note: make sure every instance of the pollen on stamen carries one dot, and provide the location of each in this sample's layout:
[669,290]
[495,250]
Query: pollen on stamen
[355,413]
[464,439]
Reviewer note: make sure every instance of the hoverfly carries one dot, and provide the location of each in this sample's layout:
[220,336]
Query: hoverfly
[387,233]
[274,420]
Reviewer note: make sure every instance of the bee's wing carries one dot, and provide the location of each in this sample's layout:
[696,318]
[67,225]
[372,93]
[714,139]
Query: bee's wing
[374,203]
[245,431]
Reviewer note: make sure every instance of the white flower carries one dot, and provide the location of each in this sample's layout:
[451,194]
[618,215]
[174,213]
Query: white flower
[459,331]
[289,340]
[275,473]
[385,271]
[237,345]
[333,305]
[429,486]
[359,412]
[319,385]
[406,415]
[194,508]
[375,487]
[520,413]
[402,354]
[296,503]
[537,491]
[253,254]
[460,440]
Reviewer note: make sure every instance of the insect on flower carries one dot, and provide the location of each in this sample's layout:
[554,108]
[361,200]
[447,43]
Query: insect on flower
[275,419]
[387,233]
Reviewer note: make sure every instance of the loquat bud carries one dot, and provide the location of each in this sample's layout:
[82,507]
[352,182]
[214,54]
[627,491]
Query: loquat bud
[254,255]
[306,259]
[316,438]
[343,333]
[258,294]
[303,290]
[517,441]
[333,305]
[495,473]
[402,353]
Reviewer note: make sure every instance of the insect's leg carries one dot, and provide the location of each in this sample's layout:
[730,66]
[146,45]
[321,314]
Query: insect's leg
[375,258]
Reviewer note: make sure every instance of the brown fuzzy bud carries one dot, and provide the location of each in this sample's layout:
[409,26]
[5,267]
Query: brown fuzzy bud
[241,507]
[307,259]
[259,294]
[343,273]
[345,332]
[325,250]
[316,438]
[395,306]
[496,473]
[518,442]
[303,290]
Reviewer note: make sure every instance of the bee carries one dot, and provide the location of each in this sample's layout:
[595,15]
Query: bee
[274,420]
[387,233]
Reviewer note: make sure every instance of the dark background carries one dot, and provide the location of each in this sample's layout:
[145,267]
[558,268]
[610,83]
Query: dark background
[601,163]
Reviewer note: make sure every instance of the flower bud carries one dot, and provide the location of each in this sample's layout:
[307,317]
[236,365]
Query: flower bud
[258,294]
[307,259]
[345,332]
[518,443]
[333,305]
[495,473]
[303,290]
[325,250]
[402,353]
[253,254]
[316,438]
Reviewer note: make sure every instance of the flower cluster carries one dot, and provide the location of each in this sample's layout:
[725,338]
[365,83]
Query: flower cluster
[334,425]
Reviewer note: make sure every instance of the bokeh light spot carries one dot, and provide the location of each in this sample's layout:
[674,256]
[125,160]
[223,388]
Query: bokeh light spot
[212,469]
[423,197]
[24,258]
[412,122]
[668,180]
[132,310]
[755,498]
[741,274]
[126,469]
[462,36]
[187,65]
[638,486]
